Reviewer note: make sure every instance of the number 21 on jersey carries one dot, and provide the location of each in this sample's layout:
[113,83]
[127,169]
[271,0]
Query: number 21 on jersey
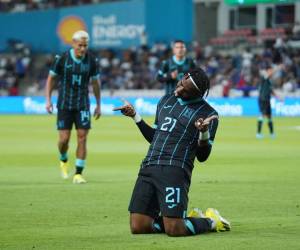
[169,124]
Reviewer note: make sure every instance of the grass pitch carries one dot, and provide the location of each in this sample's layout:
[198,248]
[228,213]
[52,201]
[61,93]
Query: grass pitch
[254,183]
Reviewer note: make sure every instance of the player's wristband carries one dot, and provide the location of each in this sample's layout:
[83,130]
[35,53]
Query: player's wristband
[137,118]
[203,136]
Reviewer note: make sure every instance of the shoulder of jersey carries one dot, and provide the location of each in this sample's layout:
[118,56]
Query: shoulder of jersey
[191,60]
[60,56]
[164,61]
[165,97]
[93,56]
[65,54]
[211,108]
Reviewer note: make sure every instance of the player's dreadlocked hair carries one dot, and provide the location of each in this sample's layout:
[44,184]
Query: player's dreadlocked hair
[201,80]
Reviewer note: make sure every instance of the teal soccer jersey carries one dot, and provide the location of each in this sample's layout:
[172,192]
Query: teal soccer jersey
[176,138]
[74,77]
[168,66]
[265,89]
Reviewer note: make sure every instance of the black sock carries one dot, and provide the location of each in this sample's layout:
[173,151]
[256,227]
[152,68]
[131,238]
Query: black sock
[270,124]
[259,126]
[158,225]
[197,225]
[79,170]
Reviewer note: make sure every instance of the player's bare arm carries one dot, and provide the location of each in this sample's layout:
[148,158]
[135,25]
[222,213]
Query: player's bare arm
[96,90]
[49,87]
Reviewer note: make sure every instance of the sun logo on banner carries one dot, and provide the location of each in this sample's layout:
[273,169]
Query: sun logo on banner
[68,26]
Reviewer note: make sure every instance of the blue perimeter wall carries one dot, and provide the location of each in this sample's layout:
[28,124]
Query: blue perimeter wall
[147,106]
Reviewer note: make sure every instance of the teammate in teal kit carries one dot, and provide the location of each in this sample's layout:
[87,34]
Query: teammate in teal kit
[74,70]
[173,69]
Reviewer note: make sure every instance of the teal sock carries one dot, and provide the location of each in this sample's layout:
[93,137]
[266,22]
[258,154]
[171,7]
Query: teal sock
[80,164]
[64,157]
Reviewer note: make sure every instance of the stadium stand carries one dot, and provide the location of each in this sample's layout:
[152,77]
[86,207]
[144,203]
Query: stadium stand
[14,67]
[272,34]
[230,74]
[232,60]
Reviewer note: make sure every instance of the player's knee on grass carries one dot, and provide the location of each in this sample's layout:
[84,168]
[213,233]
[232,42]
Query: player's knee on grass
[140,224]
[174,227]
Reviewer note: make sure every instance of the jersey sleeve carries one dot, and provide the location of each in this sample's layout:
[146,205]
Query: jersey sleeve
[145,129]
[163,74]
[203,152]
[193,64]
[158,110]
[213,126]
[56,67]
[95,69]
[155,124]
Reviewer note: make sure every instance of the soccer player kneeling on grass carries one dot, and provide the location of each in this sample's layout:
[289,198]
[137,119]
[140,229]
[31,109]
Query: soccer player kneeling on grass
[185,127]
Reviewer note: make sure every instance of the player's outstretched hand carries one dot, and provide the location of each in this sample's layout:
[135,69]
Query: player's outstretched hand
[202,124]
[49,107]
[97,112]
[127,109]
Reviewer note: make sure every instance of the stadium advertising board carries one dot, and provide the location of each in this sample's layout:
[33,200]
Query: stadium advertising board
[108,24]
[147,106]
[121,24]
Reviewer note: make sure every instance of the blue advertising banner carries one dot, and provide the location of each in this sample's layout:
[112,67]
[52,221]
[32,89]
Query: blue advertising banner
[147,106]
[35,28]
[121,24]
[109,25]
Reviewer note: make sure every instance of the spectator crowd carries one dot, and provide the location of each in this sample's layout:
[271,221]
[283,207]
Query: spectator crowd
[136,68]
[236,70]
